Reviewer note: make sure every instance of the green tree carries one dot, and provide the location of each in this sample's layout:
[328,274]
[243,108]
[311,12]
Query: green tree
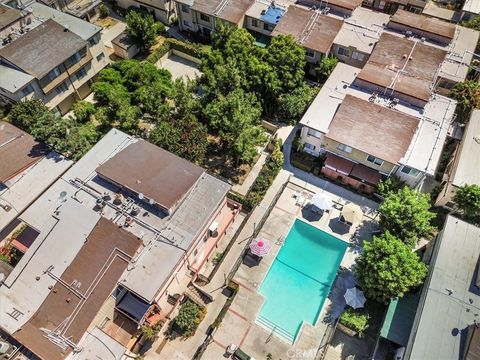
[26,114]
[387,268]
[292,105]
[104,11]
[406,213]
[325,67]
[245,145]
[188,318]
[83,110]
[467,200]
[473,23]
[467,93]
[142,29]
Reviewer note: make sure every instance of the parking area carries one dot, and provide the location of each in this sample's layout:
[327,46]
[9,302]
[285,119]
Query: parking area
[179,67]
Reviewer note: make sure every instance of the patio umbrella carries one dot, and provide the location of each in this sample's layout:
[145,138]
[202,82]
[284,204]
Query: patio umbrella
[260,247]
[354,298]
[352,213]
[321,202]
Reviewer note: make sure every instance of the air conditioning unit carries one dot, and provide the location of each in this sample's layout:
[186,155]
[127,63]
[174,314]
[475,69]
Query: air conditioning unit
[213,229]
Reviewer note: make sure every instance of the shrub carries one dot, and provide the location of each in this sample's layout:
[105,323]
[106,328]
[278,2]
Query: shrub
[389,185]
[189,317]
[104,11]
[158,53]
[356,320]
[83,110]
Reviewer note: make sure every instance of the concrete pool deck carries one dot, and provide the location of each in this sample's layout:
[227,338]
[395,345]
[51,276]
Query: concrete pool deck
[239,326]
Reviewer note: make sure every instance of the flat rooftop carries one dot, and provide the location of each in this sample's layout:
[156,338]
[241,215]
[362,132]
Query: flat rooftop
[472,6]
[450,299]
[18,151]
[376,130]
[43,48]
[8,16]
[229,10]
[166,237]
[106,250]
[404,65]
[149,170]
[13,80]
[435,117]
[362,30]
[309,27]
[424,23]
[468,165]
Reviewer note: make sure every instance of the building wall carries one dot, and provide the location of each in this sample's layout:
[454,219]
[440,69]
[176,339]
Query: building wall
[16,26]
[259,28]
[316,141]
[350,60]
[162,10]
[412,181]
[390,6]
[357,156]
[186,20]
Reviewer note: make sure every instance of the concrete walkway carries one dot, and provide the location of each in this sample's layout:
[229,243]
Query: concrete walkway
[111,33]
[252,175]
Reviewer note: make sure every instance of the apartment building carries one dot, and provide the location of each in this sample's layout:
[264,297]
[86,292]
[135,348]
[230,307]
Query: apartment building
[312,28]
[53,57]
[122,239]
[199,16]
[463,169]
[88,10]
[161,10]
[391,6]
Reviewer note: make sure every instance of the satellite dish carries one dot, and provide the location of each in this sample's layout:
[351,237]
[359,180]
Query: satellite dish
[141,196]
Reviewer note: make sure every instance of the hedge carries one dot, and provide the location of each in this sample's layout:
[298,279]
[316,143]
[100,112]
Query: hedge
[174,44]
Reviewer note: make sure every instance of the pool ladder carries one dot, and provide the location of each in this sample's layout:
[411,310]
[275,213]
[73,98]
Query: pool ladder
[280,241]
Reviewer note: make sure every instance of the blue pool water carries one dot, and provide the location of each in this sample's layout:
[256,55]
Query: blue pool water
[299,279]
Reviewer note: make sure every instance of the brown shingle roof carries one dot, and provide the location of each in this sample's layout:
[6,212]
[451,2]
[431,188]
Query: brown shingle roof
[373,129]
[43,48]
[18,151]
[154,172]
[391,54]
[296,22]
[102,245]
[346,4]
[229,10]
[424,23]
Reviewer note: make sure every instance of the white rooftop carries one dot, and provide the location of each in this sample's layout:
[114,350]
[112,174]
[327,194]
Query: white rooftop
[450,300]
[472,6]
[60,239]
[435,118]
[468,167]
[362,30]
[460,54]
[82,28]
[99,346]
[26,187]
[13,80]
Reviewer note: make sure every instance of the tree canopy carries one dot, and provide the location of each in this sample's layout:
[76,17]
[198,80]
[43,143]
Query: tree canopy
[467,200]
[406,213]
[467,93]
[387,268]
[142,28]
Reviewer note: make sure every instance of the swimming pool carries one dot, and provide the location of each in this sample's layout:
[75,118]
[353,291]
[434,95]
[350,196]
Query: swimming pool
[299,280]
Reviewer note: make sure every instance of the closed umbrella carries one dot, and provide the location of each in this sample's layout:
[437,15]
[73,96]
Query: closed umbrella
[354,298]
[260,247]
[352,214]
[321,202]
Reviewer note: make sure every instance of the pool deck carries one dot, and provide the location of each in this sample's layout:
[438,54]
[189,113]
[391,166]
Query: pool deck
[239,327]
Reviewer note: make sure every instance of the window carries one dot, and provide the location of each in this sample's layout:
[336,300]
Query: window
[310,54]
[314,133]
[185,9]
[61,88]
[54,74]
[343,52]
[81,73]
[93,40]
[100,57]
[186,23]
[375,160]
[358,56]
[267,27]
[410,171]
[344,148]
[204,17]
[254,22]
[27,90]
[309,146]
[75,58]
